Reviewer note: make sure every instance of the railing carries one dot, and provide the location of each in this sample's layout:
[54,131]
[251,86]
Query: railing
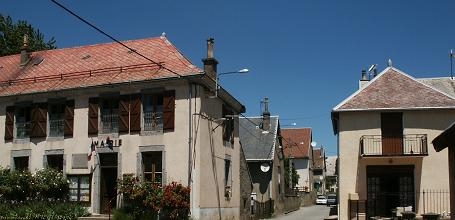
[109,123]
[153,121]
[56,127]
[407,145]
[22,130]
[427,201]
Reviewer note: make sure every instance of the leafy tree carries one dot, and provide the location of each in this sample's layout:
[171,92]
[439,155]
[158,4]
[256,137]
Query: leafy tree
[291,175]
[12,35]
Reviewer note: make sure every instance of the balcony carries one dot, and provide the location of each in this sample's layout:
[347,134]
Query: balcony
[399,146]
[56,127]
[109,123]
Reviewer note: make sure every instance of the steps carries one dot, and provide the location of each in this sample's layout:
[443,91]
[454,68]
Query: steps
[96,217]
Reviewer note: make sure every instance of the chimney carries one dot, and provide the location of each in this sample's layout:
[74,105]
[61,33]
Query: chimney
[210,63]
[266,115]
[364,80]
[25,55]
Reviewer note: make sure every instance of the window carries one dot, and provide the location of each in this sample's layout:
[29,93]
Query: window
[153,112]
[23,120]
[79,188]
[152,166]
[228,126]
[56,119]
[55,161]
[21,163]
[109,115]
[227,177]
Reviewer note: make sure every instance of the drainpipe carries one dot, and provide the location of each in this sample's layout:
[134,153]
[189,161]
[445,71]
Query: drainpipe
[190,139]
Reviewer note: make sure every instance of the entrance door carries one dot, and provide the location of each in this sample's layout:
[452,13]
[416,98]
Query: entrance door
[392,133]
[389,187]
[108,187]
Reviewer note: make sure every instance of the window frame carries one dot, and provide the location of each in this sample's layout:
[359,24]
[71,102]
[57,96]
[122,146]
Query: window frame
[79,189]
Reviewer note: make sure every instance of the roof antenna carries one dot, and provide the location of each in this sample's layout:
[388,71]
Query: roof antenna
[451,63]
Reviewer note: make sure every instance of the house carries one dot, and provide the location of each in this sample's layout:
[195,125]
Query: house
[139,108]
[385,161]
[441,142]
[260,138]
[297,147]
[319,170]
[331,176]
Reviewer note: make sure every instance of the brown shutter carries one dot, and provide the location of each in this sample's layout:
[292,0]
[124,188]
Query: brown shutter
[9,123]
[135,114]
[38,124]
[124,114]
[93,116]
[169,110]
[69,118]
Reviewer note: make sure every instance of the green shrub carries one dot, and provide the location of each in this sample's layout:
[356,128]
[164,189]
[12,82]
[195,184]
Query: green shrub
[42,210]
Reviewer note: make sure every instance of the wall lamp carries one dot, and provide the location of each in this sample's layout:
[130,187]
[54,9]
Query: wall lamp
[226,73]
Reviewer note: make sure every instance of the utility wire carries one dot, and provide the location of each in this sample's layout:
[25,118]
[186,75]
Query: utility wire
[112,38]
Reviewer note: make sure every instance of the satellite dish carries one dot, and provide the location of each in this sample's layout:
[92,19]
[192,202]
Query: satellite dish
[313,143]
[265,167]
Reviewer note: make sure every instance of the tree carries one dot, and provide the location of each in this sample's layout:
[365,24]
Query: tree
[12,35]
[291,176]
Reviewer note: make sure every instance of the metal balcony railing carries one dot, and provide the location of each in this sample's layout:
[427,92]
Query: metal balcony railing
[22,130]
[109,123]
[56,127]
[153,121]
[405,145]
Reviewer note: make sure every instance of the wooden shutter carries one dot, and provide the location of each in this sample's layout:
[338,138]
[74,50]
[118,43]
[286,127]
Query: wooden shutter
[93,116]
[124,110]
[392,133]
[169,110]
[135,113]
[38,124]
[9,123]
[69,118]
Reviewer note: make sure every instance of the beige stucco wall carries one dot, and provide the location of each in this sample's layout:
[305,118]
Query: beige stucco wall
[204,204]
[431,171]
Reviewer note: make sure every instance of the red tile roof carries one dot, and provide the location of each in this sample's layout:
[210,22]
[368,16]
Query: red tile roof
[92,65]
[296,142]
[393,89]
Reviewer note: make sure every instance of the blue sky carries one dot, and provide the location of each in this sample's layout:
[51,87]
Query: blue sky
[306,56]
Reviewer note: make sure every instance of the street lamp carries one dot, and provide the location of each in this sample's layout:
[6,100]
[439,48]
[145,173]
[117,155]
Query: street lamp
[244,70]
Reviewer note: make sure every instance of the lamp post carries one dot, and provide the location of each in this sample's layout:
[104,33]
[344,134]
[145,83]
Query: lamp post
[244,70]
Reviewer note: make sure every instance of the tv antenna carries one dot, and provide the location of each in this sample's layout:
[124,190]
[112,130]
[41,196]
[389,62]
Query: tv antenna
[451,63]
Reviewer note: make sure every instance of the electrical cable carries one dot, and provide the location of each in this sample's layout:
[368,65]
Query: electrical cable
[114,39]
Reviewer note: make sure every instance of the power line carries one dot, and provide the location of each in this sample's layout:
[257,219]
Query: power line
[112,38]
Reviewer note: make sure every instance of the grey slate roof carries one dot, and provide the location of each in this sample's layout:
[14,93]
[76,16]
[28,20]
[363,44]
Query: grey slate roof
[258,144]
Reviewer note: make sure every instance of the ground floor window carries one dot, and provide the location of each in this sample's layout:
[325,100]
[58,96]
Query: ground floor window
[55,162]
[79,188]
[152,166]
[21,163]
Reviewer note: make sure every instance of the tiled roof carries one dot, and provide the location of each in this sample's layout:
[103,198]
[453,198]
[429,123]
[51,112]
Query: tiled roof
[92,65]
[444,84]
[318,158]
[258,144]
[394,89]
[296,142]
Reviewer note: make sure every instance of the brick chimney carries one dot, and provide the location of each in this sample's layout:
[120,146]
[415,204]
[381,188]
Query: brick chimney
[25,55]
[210,63]
[266,115]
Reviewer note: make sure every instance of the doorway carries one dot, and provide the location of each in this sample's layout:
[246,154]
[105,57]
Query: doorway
[108,186]
[389,187]
[392,133]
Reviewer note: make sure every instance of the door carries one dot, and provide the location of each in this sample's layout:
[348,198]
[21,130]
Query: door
[392,133]
[108,187]
[389,187]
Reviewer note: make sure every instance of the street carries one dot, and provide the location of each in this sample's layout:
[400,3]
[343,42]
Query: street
[315,212]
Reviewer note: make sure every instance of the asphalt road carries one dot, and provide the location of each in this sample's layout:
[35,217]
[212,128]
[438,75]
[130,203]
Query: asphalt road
[316,212]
